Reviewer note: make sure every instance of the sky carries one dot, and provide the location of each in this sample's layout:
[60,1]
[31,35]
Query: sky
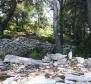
[48,14]
[1,14]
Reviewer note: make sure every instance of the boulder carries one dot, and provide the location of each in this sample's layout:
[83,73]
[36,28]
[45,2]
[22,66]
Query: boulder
[46,59]
[87,63]
[58,79]
[9,80]
[69,82]
[21,60]
[77,78]
[70,55]
[57,56]
[80,60]
[2,66]
[60,62]
[40,80]
[1,62]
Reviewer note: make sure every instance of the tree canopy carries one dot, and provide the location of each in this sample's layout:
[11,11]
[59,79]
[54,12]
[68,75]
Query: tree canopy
[70,20]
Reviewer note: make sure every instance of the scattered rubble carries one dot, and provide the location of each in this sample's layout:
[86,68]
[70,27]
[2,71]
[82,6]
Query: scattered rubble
[49,70]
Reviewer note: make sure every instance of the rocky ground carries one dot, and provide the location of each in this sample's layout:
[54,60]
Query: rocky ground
[52,69]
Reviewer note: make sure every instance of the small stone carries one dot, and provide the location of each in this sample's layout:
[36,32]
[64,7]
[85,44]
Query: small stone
[9,80]
[1,63]
[58,79]
[60,62]
[14,82]
[87,63]
[81,78]
[80,60]
[46,59]
[70,55]
[40,80]
[56,56]
[69,82]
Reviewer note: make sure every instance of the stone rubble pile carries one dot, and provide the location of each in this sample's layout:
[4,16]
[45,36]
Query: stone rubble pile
[52,69]
[22,46]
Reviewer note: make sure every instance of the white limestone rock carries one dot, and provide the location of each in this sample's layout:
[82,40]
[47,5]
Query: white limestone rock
[60,62]
[46,59]
[69,82]
[56,56]
[88,76]
[72,77]
[87,63]
[20,69]
[2,66]
[9,80]
[82,78]
[70,55]
[14,82]
[40,80]
[80,60]
[1,63]
[21,60]
[58,79]
[83,83]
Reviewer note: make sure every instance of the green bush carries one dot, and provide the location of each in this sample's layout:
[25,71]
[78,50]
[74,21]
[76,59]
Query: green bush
[36,55]
[7,34]
[84,48]
[1,55]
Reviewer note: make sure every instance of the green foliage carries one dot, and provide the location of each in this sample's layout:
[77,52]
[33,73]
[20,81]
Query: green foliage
[45,32]
[31,18]
[36,55]
[7,34]
[2,55]
[84,48]
[27,18]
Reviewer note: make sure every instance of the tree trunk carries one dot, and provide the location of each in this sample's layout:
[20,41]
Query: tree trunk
[61,22]
[4,24]
[89,13]
[55,27]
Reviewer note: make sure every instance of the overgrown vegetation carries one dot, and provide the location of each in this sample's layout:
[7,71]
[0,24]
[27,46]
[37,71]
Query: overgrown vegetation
[84,48]
[37,53]
[2,55]
[71,21]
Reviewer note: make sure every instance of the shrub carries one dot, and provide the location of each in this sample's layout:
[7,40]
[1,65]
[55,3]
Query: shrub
[84,48]
[1,55]
[36,55]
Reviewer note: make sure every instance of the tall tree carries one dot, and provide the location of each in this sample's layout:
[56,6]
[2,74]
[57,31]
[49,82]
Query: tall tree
[10,13]
[56,26]
[61,22]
